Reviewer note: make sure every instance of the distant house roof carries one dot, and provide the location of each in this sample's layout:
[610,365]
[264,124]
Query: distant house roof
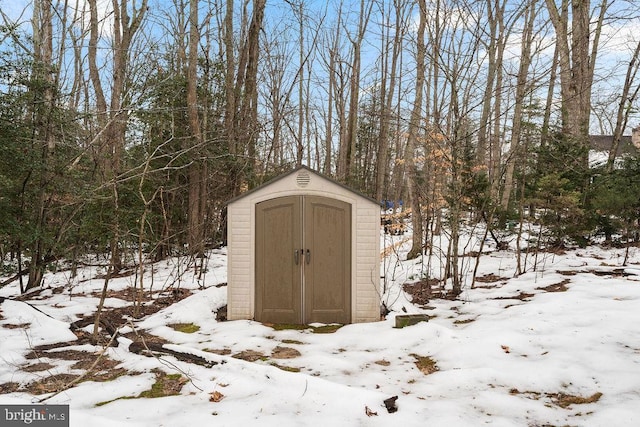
[602,143]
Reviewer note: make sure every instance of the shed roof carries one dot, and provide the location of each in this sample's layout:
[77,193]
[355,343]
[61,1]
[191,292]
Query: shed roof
[298,168]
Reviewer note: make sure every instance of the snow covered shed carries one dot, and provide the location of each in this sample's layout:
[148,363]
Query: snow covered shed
[303,248]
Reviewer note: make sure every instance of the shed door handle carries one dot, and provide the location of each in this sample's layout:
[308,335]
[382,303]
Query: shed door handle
[296,256]
[308,256]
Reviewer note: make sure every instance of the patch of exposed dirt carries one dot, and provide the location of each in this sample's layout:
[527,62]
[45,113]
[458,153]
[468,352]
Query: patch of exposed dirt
[37,367]
[488,286]
[490,278]
[250,356]
[567,272]
[104,364]
[70,354]
[326,329]
[41,350]
[7,388]
[522,296]
[145,337]
[425,364]
[109,374]
[118,274]
[322,329]
[557,249]
[104,370]
[285,353]
[556,287]
[126,294]
[285,368]
[16,325]
[49,384]
[221,352]
[476,254]
[113,318]
[563,400]
[423,291]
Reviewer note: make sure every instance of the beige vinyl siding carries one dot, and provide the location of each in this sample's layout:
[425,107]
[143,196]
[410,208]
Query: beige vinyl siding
[239,295]
[367,263]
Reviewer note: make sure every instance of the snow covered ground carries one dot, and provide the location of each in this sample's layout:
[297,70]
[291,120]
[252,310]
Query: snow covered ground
[556,346]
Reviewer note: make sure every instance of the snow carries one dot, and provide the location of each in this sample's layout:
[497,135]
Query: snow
[505,350]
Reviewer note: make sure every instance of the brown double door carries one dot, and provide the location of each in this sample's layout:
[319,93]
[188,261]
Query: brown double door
[303,260]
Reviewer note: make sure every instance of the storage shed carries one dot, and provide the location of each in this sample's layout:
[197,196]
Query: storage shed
[303,248]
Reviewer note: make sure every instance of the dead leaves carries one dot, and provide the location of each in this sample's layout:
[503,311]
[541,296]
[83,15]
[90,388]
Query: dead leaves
[369,412]
[562,400]
[425,364]
[216,397]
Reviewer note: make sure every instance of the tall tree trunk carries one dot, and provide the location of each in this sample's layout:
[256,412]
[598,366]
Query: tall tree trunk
[546,120]
[197,179]
[484,128]
[333,98]
[522,87]
[43,92]
[113,119]
[576,59]
[386,99]
[241,120]
[230,100]
[346,165]
[412,137]
[328,152]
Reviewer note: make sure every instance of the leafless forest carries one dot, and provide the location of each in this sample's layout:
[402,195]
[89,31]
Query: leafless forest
[126,125]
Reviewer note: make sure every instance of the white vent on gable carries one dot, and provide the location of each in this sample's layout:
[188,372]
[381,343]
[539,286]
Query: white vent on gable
[303,179]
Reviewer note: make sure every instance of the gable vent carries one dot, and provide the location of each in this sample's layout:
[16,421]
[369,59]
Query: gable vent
[303,179]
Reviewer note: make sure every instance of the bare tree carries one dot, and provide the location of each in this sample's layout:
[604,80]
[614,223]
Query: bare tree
[274,87]
[346,165]
[112,120]
[198,167]
[388,81]
[495,49]
[336,89]
[113,117]
[523,87]
[577,56]
[43,84]
[412,136]
[240,121]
